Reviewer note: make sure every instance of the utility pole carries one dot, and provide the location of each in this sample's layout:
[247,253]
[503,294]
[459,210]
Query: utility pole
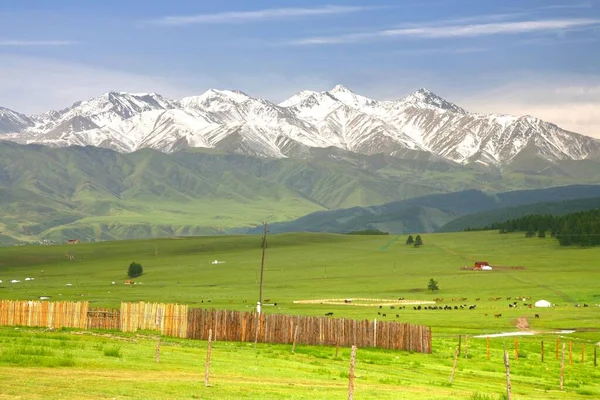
[262,270]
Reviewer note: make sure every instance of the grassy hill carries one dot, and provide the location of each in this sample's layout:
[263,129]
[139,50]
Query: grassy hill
[482,219]
[97,194]
[430,213]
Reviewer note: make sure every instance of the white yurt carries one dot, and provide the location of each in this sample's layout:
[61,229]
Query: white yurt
[543,303]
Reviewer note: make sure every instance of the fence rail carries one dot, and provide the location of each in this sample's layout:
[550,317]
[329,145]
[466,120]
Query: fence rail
[179,321]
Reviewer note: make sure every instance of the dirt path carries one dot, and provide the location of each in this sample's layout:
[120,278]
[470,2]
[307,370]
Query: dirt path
[522,323]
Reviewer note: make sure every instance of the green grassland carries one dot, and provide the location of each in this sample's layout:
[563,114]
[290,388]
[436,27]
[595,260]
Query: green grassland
[35,363]
[319,266]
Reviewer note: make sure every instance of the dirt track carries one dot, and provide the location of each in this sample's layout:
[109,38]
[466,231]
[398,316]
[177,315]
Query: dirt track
[523,323]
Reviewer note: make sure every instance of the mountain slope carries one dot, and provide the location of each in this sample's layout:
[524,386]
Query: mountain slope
[12,121]
[428,213]
[483,219]
[236,122]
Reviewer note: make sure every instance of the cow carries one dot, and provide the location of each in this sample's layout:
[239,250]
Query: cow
[537,315]
[497,315]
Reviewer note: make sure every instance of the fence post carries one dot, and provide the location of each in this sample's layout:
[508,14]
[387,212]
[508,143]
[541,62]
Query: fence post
[158,350]
[375,333]
[351,374]
[570,352]
[207,366]
[456,352]
[562,368]
[295,339]
[542,351]
[507,366]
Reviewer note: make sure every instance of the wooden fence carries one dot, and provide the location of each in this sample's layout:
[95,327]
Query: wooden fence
[42,313]
[169,319]
[274,328]
[104,318]
[179,321]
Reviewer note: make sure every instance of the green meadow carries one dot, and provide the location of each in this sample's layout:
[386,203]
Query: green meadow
[35,363]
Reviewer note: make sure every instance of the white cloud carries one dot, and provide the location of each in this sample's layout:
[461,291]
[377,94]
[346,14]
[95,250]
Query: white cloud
[571,102]
[441,30]
[31,85]
[258,15]
[41,43]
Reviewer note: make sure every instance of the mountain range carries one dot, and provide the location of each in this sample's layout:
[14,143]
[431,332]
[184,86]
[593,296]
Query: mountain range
[92,193]
[232,121]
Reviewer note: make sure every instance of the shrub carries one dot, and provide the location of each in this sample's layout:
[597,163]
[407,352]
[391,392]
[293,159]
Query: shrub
[135,270]
[112,352]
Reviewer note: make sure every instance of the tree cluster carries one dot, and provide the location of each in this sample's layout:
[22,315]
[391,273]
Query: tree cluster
[580,228]
[417,242]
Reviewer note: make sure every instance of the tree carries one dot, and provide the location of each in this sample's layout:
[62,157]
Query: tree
[410,240]
[541,233]
[433,285]
[418,241]
[135,270]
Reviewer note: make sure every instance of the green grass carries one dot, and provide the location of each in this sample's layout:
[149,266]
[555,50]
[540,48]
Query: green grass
[319,266]
[69,365]
[300,267]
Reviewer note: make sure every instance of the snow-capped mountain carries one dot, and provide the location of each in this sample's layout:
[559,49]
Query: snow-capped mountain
[12,121]
[234,121]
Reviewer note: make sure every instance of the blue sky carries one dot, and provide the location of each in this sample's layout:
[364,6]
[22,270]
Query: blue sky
[538,57]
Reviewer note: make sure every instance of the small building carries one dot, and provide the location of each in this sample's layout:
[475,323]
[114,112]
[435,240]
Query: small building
[479,265]
[543,303]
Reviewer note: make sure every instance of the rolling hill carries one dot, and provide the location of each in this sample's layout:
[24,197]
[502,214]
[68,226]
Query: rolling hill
[486,218]
[93,193]
[430,213]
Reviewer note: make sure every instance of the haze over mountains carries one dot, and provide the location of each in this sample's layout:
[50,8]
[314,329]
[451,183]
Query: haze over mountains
[233,121]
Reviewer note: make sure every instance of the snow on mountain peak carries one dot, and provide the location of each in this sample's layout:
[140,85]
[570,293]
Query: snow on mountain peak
[234,121]
[297,98]
[425,98]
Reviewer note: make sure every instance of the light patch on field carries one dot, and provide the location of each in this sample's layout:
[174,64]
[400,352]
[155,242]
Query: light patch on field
[364,302]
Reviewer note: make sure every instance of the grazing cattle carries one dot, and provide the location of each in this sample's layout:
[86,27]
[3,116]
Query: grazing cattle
[378,313]
[397,316]
[472,307]
[477,299]
[384,315]
[537,315]
[73,241]
[329,314]
[267,300]
[497,315]
[585,305]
